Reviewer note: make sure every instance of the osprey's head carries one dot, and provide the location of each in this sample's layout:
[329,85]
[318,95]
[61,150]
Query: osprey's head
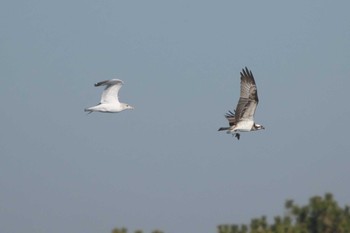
[257,127]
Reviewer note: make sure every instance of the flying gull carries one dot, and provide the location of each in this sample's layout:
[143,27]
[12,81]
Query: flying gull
[109,99]
[242,119]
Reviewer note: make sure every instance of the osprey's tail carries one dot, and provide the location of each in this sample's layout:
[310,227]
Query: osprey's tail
[223,128]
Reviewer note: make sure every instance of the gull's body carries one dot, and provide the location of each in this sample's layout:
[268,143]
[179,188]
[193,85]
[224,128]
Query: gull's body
[109,99]
[242,120]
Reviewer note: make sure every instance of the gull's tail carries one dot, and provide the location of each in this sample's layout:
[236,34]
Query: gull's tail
[88,110]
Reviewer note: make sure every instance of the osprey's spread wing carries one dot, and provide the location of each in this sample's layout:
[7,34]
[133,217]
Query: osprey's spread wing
[230,116]
[248,100]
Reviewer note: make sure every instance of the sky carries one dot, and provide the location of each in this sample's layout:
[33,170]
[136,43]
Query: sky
[164,165]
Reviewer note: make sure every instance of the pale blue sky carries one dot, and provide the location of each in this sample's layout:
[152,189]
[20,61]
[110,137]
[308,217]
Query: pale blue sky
[164,165]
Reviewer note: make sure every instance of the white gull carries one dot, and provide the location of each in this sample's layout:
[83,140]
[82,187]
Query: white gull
[109,100]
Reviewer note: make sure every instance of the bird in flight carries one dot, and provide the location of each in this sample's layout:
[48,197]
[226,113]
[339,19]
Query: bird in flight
[242,119]
[109,99]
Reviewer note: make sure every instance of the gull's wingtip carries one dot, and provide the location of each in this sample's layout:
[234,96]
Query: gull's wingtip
[109,82]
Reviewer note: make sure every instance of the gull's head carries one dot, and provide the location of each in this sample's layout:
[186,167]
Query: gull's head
[127,106]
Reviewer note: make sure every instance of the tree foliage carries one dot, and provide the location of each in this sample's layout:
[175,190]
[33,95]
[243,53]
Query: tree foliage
[320,215]
[124,230]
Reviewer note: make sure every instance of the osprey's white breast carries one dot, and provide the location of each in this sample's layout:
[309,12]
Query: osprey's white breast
[243,126]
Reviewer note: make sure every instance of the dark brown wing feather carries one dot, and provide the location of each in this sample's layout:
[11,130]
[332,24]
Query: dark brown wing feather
[230,116]
[248,100]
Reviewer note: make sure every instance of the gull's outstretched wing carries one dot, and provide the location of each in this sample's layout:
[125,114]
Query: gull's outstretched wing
[248,100]
[110,93]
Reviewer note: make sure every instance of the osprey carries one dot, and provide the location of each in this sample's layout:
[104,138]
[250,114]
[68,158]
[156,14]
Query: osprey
[242,120]
[109,99]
